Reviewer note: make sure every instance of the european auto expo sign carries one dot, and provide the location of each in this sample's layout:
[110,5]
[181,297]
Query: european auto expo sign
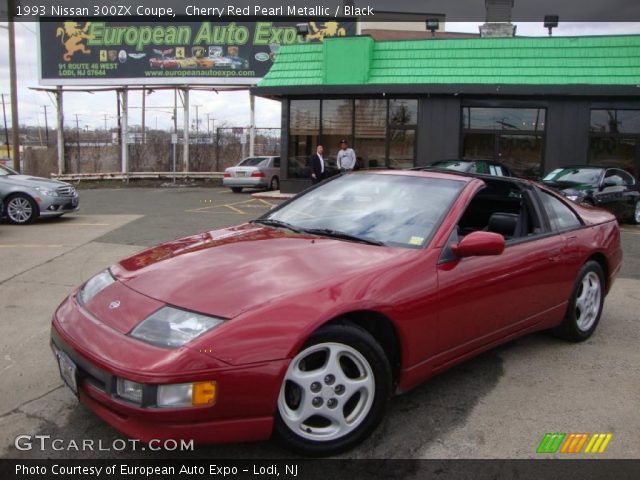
[147,53]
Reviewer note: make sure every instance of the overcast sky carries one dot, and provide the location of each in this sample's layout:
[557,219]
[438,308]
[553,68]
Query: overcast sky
[228,108]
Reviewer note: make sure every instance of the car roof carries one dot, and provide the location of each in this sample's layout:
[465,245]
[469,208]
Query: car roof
[451,175]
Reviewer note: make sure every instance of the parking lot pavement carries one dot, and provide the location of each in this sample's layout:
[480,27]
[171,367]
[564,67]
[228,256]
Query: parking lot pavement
[498,405]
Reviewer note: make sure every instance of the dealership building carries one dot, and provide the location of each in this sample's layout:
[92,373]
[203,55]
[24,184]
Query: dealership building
[534,104]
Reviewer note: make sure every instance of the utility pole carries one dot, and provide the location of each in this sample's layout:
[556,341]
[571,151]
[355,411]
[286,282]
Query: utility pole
[174,138]
[6,130]
[197,124]
[15,124]
[46,125]
[144,98]
[77,145]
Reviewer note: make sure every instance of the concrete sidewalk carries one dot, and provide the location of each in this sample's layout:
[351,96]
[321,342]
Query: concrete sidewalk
[273,195]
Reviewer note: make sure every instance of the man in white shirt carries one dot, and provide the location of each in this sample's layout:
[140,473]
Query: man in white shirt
[346,158]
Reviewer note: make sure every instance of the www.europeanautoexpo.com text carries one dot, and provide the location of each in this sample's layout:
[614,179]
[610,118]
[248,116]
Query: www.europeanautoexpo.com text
[285,10]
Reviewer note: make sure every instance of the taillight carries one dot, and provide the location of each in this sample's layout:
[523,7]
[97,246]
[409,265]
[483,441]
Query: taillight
[227,174]
[257,173]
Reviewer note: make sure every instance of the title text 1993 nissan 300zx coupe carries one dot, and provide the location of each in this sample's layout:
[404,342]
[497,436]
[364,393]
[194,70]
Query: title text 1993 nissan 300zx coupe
[301,324]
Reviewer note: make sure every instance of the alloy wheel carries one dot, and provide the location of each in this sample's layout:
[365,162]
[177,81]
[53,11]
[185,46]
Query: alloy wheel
[587,304]
[19,210]
[328,391]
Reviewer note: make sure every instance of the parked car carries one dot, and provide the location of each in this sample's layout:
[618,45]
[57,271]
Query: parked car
[487,167]
[188,62]
[253,172]
[27,198]
[302,323]
[610,188]
[164,63]
[234,63]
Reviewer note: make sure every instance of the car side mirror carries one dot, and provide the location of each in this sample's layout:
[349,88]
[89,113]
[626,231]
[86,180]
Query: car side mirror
[479,244]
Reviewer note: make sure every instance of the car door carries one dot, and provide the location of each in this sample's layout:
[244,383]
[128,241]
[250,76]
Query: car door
[483,299]
[611,192]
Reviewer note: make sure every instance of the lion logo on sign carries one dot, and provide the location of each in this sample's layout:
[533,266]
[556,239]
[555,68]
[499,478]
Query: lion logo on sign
[74,38]
[330,29]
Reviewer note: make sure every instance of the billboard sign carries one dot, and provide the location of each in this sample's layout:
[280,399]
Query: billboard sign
[152,53]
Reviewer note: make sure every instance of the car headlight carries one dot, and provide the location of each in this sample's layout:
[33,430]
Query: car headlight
[46,192]
[95,286]
[129,390]
[574,198]
[196,394]
[171,327]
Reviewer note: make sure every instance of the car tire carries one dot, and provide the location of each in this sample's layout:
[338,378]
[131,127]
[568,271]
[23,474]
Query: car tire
[236,189]
[274,184]
[335,392]
[585,304]
[21,209]
[635,215]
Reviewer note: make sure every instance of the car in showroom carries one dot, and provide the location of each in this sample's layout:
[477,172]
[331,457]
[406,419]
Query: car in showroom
[486,167]
[301,324]
[605,187]
[253,172]
[26,198]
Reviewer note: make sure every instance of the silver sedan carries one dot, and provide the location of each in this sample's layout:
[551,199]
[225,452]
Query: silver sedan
[25,198]
[253,172]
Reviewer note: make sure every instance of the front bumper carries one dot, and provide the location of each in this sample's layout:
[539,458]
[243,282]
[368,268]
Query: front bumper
[245,405]
[56,206]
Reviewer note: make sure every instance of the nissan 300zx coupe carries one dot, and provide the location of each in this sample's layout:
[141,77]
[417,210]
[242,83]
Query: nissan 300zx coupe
[301,324]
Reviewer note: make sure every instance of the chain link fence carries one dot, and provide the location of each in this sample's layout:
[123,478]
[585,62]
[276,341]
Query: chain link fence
[153,152]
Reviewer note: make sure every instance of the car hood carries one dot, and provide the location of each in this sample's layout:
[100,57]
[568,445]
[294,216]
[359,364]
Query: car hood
[569,186]
[227,272]
[28,181]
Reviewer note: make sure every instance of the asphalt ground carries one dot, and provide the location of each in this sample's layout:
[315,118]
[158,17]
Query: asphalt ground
[498,405]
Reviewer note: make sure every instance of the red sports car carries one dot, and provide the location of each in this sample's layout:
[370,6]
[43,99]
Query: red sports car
[302,324]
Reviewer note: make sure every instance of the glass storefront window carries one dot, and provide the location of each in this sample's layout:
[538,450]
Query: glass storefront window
[526,119]
[479,146]
[304,131]
[337,123]
[522,154]
[402,148]
[403,112]
[371,132]
[615,121]
[374,128]
[614,152]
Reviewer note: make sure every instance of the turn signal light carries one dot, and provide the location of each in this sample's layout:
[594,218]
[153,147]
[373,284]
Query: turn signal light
[204,393]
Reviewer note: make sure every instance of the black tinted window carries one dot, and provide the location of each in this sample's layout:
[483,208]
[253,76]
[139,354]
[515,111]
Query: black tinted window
[560,215]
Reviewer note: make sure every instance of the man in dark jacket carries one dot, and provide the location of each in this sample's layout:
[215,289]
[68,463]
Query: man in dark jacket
[317,165]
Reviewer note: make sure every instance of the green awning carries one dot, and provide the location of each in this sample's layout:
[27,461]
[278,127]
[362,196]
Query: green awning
[522,61]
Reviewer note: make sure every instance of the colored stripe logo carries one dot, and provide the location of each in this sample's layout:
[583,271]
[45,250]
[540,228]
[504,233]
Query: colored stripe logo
[573,443]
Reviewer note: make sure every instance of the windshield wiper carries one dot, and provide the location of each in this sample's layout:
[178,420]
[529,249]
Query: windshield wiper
[276,223]
[327,232]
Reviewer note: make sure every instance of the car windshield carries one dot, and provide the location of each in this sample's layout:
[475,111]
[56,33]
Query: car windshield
[395,210]
[253,162]
[4,170]
[575,175]
[452,165]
